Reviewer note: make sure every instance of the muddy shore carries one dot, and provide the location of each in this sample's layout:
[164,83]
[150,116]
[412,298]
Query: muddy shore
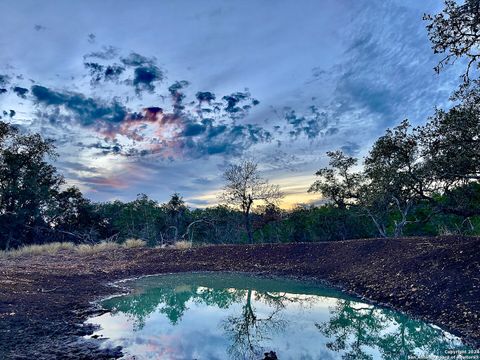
[45,299]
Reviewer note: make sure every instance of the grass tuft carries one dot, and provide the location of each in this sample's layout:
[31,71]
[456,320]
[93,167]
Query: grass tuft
[100,247]
[181,245]
[134,243]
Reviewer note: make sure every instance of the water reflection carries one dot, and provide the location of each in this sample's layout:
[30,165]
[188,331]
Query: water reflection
[354,328]
[231,316]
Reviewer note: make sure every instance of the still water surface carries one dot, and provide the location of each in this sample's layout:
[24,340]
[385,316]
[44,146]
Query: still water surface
[236,316]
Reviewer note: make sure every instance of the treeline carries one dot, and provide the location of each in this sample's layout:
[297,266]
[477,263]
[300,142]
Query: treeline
[413,181]
[401,191]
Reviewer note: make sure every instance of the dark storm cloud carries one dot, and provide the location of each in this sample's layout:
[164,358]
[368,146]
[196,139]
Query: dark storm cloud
[20,91]
[3,91]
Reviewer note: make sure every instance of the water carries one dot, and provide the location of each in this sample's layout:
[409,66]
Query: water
[234,316]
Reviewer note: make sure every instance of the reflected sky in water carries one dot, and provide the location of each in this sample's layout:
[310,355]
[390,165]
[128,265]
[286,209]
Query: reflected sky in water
[235,316]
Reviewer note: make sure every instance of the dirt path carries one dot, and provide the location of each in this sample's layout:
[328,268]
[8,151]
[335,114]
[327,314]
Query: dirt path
[45,299]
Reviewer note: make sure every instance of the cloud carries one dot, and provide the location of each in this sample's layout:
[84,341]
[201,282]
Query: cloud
[350,148]
[311,125]
[4,80]
[20,91]
[104,183]
[364,76]
[201,129]
[101,73]
[205,96]
[10,113]
[107,53]
[39,27]
[87,111]
[146,72]
[91,38]
[395,46]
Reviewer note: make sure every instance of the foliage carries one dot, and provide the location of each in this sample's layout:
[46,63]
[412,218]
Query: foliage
[244,187]
[337,182]
[456,32]
[32,201]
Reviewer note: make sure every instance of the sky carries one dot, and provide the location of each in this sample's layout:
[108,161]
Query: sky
[158,97]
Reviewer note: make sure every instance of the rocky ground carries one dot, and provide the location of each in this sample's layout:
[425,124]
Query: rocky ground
[45,299]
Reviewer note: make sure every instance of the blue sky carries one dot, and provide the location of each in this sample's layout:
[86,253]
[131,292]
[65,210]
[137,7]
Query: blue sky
[159,97]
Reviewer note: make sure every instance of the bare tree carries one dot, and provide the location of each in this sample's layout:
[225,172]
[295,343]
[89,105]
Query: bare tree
[244,187]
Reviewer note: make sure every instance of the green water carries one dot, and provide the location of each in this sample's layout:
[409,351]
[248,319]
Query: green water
[234,316]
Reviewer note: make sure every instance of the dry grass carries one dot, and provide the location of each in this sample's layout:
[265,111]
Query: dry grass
[54,247]
[181,245]
[100,247]
[30,250]
[134,243]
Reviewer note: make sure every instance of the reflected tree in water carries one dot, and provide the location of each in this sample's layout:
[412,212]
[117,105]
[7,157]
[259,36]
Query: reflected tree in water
[357,328]
[173,299]
[249,329]
[353,329]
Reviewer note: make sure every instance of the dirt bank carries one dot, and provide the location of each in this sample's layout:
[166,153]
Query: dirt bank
[45,299]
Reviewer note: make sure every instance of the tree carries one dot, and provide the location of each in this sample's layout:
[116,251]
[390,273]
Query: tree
[450,146]
[28,185]
[244,187]
[340,184]
[175,209]
[395,178]
[456,32]
[73,217]
[337,182]
[451,143]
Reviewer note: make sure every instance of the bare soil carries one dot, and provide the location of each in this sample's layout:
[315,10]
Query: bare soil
[45,299]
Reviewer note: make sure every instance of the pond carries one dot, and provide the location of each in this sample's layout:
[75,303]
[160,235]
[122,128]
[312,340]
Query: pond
[237,316]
